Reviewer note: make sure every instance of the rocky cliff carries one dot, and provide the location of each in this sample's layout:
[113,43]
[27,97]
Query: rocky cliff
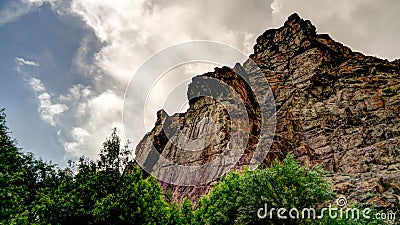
[333,106]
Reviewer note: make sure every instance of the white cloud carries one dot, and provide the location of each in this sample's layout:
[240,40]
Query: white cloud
[20,62]
[133,30]
[15,9]
[97,115]
[83,120]
[37,85]
[47,109]
[79,135]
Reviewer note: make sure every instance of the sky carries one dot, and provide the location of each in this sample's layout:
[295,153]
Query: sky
[65,64]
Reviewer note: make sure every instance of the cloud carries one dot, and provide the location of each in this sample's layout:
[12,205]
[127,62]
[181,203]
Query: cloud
[37,85]
[79,135]
[96,116]
[15,9]
[47,109]
[20,62]
[134,30]
[82,119]
[368,26]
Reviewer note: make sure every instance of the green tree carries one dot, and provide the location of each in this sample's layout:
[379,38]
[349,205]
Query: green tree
[21,176]
[100,193]
[237,198]
[221,207]
[284,185]
[75,199]
[36,192]
[186,212]
[183,214]
[112,156]
[12,177]
[138,201]
[10,165]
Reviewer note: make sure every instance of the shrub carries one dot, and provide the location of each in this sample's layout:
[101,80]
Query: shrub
[389,92]
[237,198]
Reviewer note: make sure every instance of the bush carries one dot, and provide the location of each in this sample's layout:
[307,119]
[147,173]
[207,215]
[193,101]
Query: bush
[389,92]
[221,207]
[237,198]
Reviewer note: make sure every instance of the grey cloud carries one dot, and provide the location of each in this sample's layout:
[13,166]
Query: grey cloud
[368,26]
[238,15]
[380,22]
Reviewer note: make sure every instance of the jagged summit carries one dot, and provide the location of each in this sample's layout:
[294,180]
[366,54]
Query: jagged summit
[293,27]
[296,37]
[334,107]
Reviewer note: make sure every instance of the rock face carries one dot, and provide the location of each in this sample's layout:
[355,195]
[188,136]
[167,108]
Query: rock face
[334,107]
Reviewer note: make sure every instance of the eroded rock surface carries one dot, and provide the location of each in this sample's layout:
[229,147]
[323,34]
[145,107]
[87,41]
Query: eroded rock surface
[334,107]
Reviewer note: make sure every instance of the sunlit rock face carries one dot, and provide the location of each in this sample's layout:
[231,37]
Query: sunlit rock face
[334,107]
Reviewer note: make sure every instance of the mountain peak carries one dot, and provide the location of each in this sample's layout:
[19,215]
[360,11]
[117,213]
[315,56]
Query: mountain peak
[296,33]
[294,17]
[295,22]
[275,47]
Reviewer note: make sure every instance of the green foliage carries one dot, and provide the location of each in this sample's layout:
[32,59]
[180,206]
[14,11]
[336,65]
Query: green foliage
[112,156]
[221,206]
[237,198]
[183,215]
[186,213]
[12,175]
[138,201]
[21,176]
[96,192]
[100,194]
[389,92]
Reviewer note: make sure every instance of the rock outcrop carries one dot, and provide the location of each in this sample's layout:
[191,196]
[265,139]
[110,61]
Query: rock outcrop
[334,107]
